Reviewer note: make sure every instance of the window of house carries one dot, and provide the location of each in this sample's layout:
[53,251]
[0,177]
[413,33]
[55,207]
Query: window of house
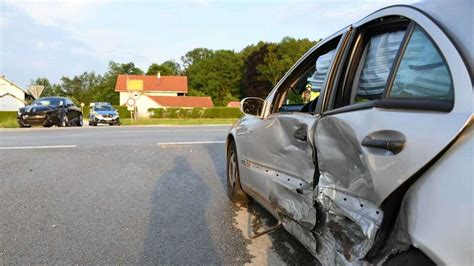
[422,72]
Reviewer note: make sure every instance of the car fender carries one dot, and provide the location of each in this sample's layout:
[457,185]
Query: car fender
[239,145]
[438,208]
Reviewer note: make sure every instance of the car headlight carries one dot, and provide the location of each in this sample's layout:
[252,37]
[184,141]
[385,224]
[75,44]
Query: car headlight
[18,113]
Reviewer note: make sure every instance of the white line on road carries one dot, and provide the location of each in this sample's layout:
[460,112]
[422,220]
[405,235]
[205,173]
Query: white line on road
[38,147]
[189,143]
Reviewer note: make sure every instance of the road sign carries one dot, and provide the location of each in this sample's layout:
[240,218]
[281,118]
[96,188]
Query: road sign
[35,91]
[131,102]
[134,84]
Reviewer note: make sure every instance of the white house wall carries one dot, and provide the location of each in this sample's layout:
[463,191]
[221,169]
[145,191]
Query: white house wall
[9,102]
[143,104]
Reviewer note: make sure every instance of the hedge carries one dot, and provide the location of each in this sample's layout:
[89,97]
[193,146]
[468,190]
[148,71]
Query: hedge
[216,112]
[5,115]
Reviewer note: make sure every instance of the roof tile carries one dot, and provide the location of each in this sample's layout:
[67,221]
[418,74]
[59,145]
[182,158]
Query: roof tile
[183,101]
[152,83]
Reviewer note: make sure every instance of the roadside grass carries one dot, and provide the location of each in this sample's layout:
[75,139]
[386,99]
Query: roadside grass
[8,122]
[178,121]
[11,122]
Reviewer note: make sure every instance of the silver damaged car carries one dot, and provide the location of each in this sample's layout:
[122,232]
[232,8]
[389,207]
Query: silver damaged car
[363,150]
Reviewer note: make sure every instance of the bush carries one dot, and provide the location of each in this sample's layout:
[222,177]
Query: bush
[216,112]
[7,115]
[222,112]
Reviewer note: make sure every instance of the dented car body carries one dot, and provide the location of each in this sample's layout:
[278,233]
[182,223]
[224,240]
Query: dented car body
[361,172]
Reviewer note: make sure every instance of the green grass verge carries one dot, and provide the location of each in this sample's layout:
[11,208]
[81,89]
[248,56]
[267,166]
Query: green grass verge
[173,121]
[8,122]
[11,122]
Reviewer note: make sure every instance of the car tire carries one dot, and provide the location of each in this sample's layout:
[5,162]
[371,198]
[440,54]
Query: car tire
[63,121]
[234,188]
[79,121]
[411,257]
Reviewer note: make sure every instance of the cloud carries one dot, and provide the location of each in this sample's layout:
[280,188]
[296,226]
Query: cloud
[57,13]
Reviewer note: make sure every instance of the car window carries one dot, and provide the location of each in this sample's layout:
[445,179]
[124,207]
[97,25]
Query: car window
[48,101]
[422,72]
[103,108]
[377,60]
[307,87]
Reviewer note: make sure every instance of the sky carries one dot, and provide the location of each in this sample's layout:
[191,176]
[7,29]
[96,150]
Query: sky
[65,38]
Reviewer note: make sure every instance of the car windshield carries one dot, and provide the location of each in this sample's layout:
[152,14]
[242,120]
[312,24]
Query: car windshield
[103,108]
[48,101]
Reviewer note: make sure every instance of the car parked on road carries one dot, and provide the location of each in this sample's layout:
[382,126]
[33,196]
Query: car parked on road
[50,111]
[103,113]
[377,166]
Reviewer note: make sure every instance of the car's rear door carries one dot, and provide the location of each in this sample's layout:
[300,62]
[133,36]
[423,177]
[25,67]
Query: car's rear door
[406,93]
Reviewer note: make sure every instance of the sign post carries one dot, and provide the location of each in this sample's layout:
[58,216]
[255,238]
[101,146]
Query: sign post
[35,90]
[134,88]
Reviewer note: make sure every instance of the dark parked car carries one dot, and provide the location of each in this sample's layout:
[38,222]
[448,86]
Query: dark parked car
[50,111]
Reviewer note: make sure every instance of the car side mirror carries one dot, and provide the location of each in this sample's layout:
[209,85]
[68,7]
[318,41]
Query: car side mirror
[252,106]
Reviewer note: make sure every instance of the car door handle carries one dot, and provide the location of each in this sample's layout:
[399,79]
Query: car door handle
[393,145]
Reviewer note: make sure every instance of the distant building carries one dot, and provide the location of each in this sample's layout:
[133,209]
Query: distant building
[12,96]
[234,104]
[152,91]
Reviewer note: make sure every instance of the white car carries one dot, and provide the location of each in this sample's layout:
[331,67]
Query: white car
[363,150]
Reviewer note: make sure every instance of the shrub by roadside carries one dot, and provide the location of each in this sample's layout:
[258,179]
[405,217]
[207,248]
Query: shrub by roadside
[8,119]
[216,112]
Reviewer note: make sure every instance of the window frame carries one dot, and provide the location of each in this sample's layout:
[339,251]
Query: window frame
[343,87]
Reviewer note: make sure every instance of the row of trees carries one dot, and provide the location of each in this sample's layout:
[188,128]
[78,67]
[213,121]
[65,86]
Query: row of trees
[225,75]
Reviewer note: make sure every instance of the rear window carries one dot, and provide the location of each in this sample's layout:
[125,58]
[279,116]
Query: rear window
[422,73]
[378,58]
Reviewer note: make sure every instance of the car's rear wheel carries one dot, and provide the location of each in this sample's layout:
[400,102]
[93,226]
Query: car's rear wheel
[234,189]
[63,121]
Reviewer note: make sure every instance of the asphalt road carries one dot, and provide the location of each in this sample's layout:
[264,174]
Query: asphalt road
[139,195]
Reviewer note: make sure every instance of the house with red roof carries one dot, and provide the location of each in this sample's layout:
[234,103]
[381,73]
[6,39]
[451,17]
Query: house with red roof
[156,91]
[235,104]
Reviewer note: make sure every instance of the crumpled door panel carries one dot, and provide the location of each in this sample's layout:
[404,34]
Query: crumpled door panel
[281,155]
[348,218]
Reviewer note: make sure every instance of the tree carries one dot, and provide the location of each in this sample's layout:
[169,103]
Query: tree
[252,84]
[217,74]
[81,87]
[105,90]
[167,68]
[49,89]
[280,57]
[194,55]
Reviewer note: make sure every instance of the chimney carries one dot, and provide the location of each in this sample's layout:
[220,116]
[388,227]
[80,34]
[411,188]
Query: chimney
[158,75]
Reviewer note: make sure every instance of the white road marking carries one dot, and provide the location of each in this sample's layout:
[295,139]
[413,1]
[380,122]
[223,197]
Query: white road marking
[167,144]
[38,147]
